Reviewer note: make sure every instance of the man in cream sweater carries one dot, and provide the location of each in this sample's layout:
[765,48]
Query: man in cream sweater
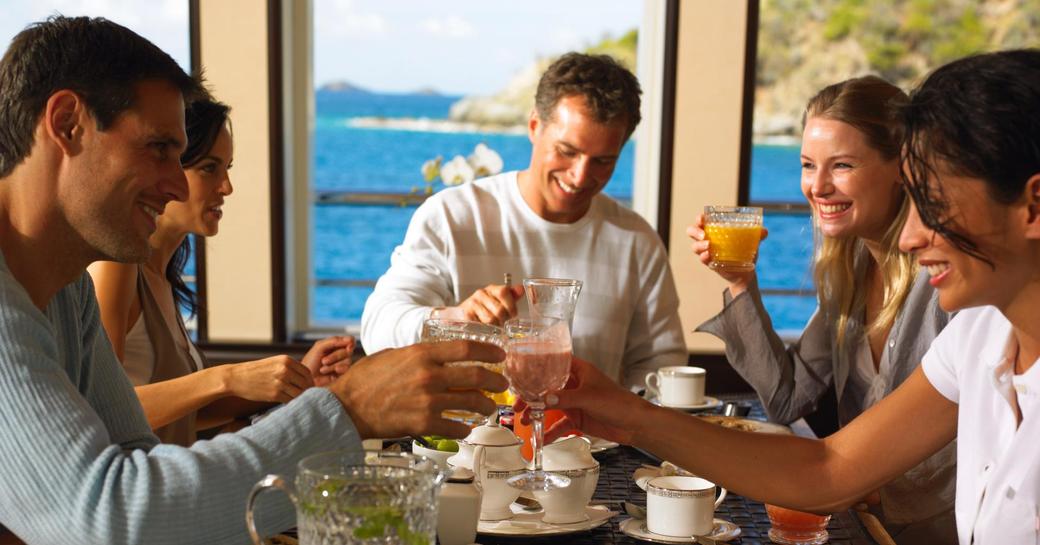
[549,220]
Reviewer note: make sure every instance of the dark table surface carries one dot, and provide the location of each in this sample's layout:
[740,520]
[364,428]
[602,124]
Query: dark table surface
[616,485]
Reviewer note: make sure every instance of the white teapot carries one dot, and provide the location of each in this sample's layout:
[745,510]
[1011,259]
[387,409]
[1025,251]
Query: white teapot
[493,453]
[572,458]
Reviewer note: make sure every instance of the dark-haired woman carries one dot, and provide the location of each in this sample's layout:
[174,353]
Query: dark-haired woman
[972,168]
[140,309]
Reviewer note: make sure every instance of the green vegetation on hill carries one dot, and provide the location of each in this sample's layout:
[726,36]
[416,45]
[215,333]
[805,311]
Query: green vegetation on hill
[511,105]
[804,45]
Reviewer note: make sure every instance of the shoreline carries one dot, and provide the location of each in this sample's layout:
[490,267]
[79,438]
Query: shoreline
[427,124]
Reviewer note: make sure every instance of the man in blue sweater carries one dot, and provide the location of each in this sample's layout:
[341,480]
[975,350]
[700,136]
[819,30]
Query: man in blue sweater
[91,129]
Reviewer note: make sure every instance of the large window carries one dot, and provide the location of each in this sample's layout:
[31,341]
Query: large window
[805,45]
[399,83]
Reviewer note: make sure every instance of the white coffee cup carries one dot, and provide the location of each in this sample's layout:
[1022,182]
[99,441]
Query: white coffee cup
[680,506]
[677,386]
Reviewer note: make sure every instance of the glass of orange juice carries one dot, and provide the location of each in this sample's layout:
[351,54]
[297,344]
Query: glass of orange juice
[790,527]
[443,329]
[734,233]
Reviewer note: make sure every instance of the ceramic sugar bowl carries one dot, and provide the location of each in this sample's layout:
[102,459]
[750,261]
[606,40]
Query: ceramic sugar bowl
[570,457]
[493,454]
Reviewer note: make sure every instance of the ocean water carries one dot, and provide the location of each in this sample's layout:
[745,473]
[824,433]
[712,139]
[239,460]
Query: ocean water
[355,242]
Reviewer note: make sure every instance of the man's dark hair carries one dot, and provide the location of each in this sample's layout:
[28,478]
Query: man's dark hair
[610,90]
[975,117]
[94,57]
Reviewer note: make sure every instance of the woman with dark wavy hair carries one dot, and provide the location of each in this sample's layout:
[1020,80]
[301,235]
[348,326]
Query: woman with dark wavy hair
[140,308]
[971,164]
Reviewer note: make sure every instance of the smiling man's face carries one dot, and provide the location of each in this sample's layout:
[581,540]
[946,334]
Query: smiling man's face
[572,159]
[126,174]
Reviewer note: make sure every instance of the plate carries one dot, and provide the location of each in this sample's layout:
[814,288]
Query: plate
[724,530]
[598,444]
[709,403]
[746,424]
[526,523]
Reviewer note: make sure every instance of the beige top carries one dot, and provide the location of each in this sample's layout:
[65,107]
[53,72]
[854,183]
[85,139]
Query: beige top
[166,359]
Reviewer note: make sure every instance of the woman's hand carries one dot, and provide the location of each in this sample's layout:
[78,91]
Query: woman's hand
[329,358]
[275,379]
[595,404]
[738,281]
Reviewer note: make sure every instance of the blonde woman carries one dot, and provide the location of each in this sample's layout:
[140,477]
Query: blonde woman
[877,315]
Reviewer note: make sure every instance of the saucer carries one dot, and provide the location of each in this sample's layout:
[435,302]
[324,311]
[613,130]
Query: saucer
[708,403]
[646,472]
[724,530]
[598,444]
[526,523]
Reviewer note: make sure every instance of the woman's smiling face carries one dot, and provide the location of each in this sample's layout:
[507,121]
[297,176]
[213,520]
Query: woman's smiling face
[1000,232]
[853,190]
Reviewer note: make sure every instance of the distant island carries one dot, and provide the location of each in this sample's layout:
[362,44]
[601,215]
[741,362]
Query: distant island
[346,87]
[504,112]
[343,86]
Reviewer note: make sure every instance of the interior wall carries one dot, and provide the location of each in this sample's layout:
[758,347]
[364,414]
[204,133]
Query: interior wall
[706,163]
[233,42]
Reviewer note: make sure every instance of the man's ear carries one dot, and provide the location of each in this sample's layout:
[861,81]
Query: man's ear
[534,123]
[1032,201]
[64,117]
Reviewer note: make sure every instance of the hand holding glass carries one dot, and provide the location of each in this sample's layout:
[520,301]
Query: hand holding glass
[538,363]
[733,233]
[443,329]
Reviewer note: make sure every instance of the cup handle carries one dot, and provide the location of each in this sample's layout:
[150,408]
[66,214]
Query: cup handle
[722,496]
[268,482]
[652,385]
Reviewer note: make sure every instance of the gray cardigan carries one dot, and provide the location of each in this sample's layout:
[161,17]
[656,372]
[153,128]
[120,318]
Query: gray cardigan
[790,381]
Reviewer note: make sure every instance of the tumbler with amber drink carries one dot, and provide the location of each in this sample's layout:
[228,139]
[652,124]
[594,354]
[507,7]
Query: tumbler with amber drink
[444,329]
[733,233]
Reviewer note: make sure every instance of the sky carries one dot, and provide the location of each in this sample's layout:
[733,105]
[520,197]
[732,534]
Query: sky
[164,22]
[452,46]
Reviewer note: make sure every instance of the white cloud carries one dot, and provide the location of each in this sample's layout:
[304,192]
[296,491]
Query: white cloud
[342,18]
[451,26]
[566,39]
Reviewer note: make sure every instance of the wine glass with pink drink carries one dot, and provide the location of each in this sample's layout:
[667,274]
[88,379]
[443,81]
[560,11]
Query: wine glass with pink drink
[538,362]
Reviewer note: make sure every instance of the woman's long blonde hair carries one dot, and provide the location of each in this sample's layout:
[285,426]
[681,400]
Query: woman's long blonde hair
[870,104]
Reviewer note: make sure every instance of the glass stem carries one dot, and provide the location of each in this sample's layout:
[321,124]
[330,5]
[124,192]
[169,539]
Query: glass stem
[537,435]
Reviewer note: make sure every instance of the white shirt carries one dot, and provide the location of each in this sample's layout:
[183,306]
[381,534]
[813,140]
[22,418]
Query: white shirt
[998,484]
[464,238]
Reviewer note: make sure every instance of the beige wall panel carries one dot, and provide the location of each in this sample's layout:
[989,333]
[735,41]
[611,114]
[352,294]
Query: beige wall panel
[709,80]
[233,36]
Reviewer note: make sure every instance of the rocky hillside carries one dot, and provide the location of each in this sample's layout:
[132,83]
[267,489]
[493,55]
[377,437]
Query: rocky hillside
[511,106]
[805,45]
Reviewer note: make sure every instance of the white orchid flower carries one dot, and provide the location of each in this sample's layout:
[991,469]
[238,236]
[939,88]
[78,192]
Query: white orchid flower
[457,171]
[485,161]
[432,168]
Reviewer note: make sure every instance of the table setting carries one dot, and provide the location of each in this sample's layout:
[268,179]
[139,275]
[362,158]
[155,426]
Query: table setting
[503,485]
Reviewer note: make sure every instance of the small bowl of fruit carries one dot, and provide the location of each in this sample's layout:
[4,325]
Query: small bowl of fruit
[443,448]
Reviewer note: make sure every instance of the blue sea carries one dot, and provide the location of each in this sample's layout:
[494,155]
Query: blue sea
[355,242]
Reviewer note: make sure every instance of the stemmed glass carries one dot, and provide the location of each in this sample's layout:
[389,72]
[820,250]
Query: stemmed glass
[555,297]
[538,362]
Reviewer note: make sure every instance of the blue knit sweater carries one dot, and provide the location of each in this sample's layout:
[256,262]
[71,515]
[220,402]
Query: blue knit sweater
[79,464]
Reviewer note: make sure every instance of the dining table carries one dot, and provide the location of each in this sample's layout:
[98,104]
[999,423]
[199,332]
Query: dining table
[616,486]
